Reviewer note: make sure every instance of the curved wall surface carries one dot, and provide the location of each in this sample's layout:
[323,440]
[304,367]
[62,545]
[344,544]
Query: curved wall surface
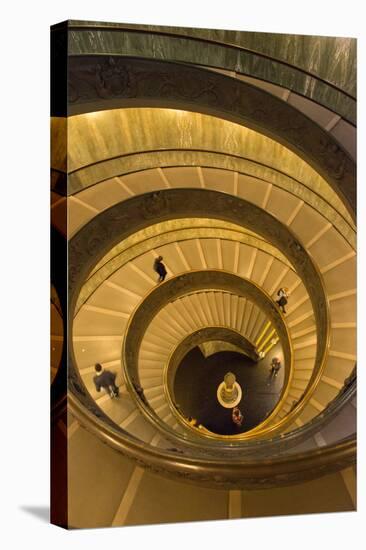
[231,157]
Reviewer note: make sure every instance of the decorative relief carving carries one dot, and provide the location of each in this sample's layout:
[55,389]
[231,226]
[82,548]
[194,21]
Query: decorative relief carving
[176,85]
[120,221]
[194,281]
[221,472]
[156,204]
[113,78]
[105,77]
[111,226]
[334,158]
[183,203]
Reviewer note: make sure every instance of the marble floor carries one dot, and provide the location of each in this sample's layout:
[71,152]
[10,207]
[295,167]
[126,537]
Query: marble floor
[196,383]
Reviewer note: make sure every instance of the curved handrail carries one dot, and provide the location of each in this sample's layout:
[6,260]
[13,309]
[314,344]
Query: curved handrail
[181,86]
[89,245]
[230,336]
[244,58]
[203,469]
[82,403]
[76,386]
[107,267]
[219,472]
[179,286]
[141,161]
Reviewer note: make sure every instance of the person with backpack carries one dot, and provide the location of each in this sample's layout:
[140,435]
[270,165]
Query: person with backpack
[107,380]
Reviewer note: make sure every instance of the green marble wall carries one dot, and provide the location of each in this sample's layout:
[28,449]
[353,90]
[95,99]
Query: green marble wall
[320,68]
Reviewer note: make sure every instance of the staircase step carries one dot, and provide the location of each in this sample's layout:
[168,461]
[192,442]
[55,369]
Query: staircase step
[153,391]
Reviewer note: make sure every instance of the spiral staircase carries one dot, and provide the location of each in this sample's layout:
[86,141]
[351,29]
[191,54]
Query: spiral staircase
[233,158]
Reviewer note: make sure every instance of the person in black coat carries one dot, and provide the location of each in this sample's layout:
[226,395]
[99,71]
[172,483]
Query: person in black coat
[160,268]
[275,366]
[283,299]
[105,379]
[140,392]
